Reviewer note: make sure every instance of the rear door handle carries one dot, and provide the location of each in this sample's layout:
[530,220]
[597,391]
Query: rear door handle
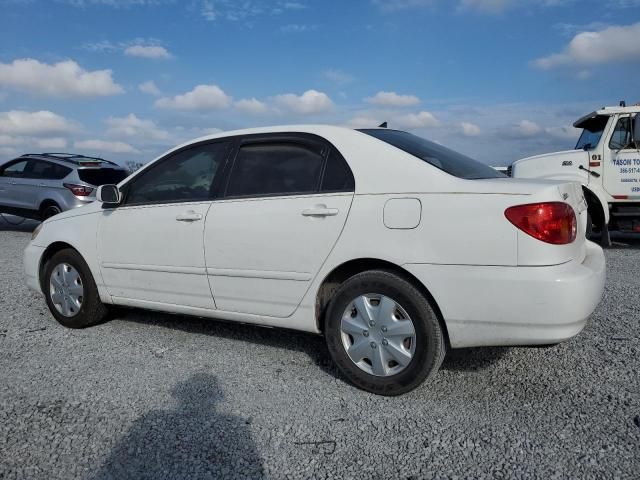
[189,216]
[320,211]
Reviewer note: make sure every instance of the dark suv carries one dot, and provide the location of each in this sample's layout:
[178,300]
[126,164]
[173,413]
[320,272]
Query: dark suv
[40,185]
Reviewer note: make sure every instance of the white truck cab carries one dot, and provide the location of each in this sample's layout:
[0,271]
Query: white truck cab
[605,161]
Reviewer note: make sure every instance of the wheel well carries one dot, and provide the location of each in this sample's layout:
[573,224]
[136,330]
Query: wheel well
[47,203]
[594,207]
[347,270]
[49,252]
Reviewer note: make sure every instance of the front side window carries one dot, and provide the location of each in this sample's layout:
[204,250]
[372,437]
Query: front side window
[452,162]
[15,170]
[186,176]
[622,137]
[275,169]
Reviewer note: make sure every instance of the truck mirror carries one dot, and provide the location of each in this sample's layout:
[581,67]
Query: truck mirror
[636,130]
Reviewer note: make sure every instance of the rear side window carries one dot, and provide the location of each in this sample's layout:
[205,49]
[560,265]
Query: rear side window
[186,176]
[101,176]
[46,170]
[337,175]
[453,163]
[275,169]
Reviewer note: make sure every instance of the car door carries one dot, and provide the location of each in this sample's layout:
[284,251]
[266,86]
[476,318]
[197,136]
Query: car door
[622,158]
[285,205]
[43,182]
[11,188]
[151,246]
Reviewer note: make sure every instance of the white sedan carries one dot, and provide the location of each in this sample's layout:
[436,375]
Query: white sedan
[393,247]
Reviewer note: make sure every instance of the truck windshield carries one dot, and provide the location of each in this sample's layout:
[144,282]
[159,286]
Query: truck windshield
[453,163]
[592,132]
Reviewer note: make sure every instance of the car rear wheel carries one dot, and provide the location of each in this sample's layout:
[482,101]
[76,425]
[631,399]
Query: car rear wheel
[71,292]
[383,334]
[49,211]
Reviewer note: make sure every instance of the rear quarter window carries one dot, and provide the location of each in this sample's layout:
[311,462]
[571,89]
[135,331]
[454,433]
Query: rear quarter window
[452,162]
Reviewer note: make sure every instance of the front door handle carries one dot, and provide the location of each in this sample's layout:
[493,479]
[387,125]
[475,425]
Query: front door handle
[320,211]
[189,216]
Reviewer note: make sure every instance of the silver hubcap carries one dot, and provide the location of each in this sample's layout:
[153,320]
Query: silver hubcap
[378,335]
[66,290]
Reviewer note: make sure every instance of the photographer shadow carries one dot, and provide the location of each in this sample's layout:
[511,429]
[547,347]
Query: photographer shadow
[191,441]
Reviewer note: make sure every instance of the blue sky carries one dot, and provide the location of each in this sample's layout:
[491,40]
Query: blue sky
[128,79]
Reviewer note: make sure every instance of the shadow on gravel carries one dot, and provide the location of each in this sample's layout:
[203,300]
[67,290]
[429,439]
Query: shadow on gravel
[9,223]
[472,359]
[312,345]
[192,441]
[464,359]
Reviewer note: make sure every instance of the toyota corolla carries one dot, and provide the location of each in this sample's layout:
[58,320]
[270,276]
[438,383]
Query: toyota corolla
[393,247]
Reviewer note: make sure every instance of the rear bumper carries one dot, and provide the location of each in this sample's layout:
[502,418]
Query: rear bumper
[31,263]
[500,306]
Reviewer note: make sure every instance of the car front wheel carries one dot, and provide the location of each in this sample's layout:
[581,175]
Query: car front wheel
[383,334]
[71,293]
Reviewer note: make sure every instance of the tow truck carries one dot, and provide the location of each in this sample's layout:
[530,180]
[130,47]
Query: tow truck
[606,162]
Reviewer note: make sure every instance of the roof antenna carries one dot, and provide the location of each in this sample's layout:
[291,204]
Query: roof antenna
[383,125]
[623,103]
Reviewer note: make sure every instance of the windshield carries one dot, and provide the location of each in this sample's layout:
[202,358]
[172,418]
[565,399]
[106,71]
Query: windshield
[453,163]
[592,132]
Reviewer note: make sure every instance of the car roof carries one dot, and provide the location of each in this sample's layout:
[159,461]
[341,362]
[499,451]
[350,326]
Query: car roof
[72,158]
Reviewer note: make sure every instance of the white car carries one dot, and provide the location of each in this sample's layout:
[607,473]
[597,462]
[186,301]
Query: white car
[393,247]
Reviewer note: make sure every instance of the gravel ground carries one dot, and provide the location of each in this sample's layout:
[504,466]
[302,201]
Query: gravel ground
[157,396]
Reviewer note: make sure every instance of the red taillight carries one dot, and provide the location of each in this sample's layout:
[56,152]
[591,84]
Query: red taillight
[551,222]
[79,190]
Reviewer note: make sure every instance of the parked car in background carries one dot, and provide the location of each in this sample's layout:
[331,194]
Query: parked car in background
[393,247]
[41,185]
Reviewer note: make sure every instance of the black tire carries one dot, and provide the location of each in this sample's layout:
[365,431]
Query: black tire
[589,232]
[430,347]
[49,210]
[92,310]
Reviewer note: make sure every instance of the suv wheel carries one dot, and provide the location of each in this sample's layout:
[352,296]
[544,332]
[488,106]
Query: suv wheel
[383,334]
[71,292]
[49,211]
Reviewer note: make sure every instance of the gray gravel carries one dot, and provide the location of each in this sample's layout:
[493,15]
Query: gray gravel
[157,396]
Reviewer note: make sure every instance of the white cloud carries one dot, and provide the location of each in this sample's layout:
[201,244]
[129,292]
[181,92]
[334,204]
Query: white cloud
[104,146]
[133,127]
[297,28]
[147,51]
[201,98]
[44,122]
[415,120]
[470,129]
[150,88]
[309,103]
[613,44]
[338,76]
[364,121]
[65,79]
[392,99]
[252,106]
[525,129]
[51,143]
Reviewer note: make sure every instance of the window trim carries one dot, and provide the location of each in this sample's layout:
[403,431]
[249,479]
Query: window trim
[306,140]
[629,120]
[213,188]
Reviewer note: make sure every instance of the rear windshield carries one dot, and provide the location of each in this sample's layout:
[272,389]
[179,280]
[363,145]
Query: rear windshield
[101,176]
[453,163]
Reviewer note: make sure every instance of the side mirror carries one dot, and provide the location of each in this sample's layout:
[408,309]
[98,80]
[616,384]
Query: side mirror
[108,194]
